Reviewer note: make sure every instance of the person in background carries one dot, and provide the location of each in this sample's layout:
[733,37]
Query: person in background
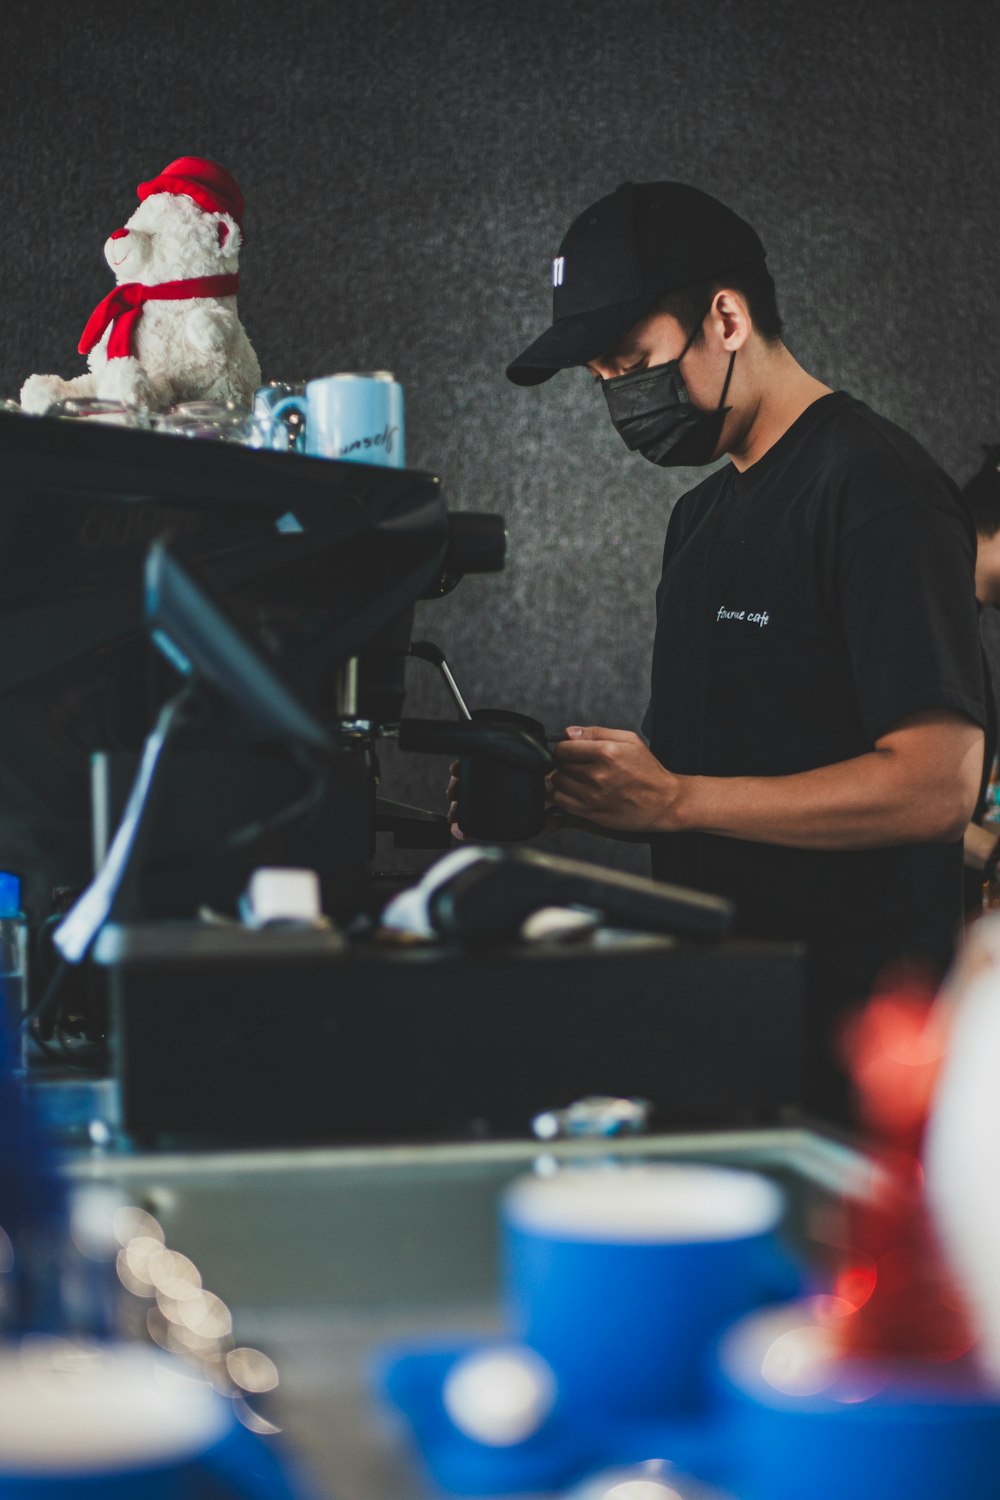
[982,837]
[814,736]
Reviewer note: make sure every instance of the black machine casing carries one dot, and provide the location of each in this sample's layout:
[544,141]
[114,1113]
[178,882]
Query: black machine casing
[321,561]
[281,1035]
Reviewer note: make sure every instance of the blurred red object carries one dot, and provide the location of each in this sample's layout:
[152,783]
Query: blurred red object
[893,1050]
[894,1295]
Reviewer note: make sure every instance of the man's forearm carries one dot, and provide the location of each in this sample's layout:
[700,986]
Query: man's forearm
[917,785]
[862,803]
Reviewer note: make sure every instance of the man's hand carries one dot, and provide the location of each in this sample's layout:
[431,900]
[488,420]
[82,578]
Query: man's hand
[451,796]
[610,777]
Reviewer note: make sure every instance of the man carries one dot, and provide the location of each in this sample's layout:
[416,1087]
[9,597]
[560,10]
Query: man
[982,841]
[814,727]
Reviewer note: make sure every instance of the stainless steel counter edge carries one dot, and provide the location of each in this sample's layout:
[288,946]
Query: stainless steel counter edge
[831,1164]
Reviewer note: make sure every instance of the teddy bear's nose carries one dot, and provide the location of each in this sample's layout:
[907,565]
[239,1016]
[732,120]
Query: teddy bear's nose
[118,234]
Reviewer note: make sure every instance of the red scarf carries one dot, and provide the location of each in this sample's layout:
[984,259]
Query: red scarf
[123,308]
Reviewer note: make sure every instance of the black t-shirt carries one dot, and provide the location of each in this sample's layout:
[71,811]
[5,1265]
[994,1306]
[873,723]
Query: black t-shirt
[806,605]
[972,880]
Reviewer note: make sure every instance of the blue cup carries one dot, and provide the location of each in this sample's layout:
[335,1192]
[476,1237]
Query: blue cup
[623,1280]
[123,1422]
[358,418]
[797,1423]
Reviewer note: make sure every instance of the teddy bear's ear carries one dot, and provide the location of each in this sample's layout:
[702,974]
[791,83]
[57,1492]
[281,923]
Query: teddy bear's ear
[230,238]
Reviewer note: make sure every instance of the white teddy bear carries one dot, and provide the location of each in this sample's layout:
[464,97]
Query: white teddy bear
[170,331]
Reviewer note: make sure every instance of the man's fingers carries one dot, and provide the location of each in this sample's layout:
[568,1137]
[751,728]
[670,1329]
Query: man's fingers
[582,752]
[580,779]
[576,777]
[598,732]
[567,799]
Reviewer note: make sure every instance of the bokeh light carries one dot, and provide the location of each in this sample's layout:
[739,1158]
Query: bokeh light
[642,1489]
[173,1274]
[129,1223]
[251,1370]
[252,1419]
[185,1319]
[800,1361]
[855,1282]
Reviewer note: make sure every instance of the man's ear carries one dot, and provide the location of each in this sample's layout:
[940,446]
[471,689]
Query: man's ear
[730,318]
[228,231]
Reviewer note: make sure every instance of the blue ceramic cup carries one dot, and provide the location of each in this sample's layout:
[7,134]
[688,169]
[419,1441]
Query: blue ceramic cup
[86,1421]
[623,1279]
[796,1422]
[354,417]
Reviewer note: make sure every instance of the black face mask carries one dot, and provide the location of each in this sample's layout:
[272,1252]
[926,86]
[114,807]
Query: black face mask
[653,414]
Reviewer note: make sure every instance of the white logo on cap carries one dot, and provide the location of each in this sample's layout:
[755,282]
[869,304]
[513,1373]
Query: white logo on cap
[558,268]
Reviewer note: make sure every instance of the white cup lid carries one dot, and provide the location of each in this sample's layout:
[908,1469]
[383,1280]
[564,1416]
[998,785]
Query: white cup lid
[650,1204]
[85,1408]
[356,375]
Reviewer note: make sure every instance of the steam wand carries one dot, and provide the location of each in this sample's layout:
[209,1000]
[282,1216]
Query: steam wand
[427,651]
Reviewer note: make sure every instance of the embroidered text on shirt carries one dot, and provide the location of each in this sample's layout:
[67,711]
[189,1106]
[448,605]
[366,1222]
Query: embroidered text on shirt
[760,617]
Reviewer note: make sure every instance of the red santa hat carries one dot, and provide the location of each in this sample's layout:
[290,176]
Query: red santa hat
[210,185]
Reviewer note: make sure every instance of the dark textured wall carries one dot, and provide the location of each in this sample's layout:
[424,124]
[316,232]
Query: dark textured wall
[409,169]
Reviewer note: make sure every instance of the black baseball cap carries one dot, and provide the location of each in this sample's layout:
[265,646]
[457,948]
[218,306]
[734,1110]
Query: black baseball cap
[619,257]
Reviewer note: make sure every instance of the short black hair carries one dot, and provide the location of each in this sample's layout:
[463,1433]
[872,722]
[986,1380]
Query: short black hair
[982,492]
[755,285]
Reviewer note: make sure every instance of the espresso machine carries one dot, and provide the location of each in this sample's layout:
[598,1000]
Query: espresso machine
[320,562]
[202,648]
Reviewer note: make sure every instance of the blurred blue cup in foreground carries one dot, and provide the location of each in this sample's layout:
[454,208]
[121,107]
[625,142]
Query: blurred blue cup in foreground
[801,1422]
[623,1279]
[354,417]
[113,1422]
